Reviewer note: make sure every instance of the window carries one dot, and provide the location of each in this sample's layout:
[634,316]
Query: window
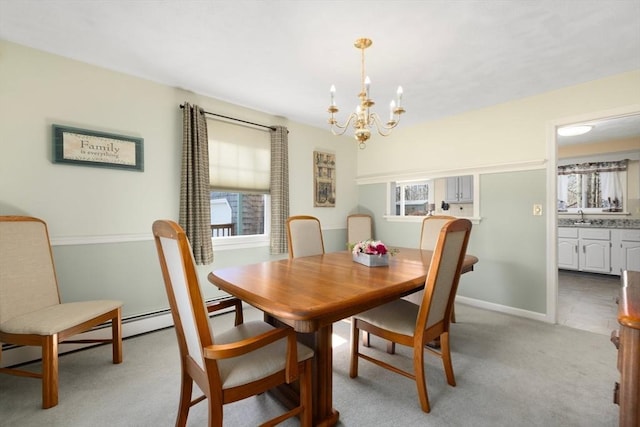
[413,198]
[239,173]
[592,187]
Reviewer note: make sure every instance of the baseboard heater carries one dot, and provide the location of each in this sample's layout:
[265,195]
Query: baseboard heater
[13,355]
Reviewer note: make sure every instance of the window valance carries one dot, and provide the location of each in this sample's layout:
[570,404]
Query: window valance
[585,168]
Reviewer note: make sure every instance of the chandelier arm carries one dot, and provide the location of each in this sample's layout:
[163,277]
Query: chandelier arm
[381,127]
[344,127]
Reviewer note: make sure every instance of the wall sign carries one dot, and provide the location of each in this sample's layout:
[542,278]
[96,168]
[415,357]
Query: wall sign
[89,148]
[324,179]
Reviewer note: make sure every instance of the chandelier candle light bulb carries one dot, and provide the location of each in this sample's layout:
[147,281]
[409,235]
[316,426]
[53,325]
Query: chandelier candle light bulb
[363,119]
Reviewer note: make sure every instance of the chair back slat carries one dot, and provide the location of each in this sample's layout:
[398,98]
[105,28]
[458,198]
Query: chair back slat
[444,273]
[183,290]
[359,228]
[305,236]
[431,227]
[27,274]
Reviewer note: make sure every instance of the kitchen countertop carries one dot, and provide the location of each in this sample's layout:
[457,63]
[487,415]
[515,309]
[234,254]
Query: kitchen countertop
[601,223]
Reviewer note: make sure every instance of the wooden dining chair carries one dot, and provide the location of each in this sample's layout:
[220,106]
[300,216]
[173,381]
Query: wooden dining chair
[31,312]
[304,236]
[229,365]
[405,323]
[431,226]
[359,228]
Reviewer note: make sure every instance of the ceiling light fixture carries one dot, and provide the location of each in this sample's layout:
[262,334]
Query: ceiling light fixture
[574,130]
[363,119]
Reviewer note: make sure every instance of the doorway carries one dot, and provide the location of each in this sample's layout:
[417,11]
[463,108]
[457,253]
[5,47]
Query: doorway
[581,300]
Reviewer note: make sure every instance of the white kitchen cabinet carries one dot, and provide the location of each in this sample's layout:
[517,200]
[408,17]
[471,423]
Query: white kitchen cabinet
[585,249]
[630,250]
[459,189]
[568,248]
[595,250]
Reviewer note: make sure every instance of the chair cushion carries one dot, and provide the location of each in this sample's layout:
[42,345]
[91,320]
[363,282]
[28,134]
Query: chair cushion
[398,316]
[256,364]
[57,318]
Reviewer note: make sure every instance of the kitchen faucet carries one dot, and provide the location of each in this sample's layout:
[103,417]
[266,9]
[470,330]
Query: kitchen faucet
[581,215]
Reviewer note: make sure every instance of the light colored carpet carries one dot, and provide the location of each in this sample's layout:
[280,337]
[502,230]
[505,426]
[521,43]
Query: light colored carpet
[509,372]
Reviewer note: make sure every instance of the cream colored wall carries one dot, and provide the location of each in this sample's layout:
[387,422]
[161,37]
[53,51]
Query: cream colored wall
[99,218]
[614,146]
[502,134]
[509,147]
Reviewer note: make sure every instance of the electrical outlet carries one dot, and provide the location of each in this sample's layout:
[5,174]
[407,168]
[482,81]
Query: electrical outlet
[537,210]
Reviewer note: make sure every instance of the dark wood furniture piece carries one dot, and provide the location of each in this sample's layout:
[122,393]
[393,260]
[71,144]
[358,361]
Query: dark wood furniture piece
[311,293]
[272,355]
[627,392]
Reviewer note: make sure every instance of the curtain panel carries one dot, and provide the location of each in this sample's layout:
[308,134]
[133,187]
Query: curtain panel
[279,188]
[195,207]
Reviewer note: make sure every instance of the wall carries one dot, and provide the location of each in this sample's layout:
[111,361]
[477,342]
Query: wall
[508,147]
[100,219]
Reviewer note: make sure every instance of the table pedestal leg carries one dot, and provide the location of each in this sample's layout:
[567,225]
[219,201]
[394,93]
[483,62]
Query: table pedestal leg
[322,396]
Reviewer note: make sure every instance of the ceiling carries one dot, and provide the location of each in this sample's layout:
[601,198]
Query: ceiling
[280,57]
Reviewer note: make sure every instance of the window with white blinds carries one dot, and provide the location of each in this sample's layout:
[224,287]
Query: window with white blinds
[239,157]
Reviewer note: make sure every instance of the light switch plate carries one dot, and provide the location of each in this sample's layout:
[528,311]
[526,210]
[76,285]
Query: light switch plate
[537,210]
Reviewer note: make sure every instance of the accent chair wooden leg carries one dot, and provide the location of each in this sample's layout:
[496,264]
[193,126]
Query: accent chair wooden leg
[116,337]
[49,371]
[366,339]
[446,359]
[391,347]
[421,379]
[239,315]
[185,401]
[355,332]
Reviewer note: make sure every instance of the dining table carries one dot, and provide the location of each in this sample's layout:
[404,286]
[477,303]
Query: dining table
[310,293]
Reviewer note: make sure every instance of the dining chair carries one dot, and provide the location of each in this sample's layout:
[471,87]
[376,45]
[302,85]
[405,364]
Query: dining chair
[359,228]
[431,226]
[230,365]
[304,236]
[407,324]
[31,312]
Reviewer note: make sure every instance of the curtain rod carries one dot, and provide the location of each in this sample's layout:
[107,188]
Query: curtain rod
[234,119]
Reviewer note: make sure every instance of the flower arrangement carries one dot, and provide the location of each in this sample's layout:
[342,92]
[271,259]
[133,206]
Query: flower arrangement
[370,247]
[372,253]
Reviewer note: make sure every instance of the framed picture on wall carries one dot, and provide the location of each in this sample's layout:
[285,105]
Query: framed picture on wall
[100,149]
[324,179]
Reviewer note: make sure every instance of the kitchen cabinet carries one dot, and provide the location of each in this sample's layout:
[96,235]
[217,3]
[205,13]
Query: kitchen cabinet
[629,250]
[459,189]
[585,249]
[568,248]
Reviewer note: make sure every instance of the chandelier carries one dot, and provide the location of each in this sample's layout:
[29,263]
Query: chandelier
[363,119]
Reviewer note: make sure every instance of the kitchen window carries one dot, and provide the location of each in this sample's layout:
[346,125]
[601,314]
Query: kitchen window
[592,187]
[413,198]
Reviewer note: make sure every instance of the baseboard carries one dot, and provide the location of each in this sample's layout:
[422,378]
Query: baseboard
[502,308]
[13,355]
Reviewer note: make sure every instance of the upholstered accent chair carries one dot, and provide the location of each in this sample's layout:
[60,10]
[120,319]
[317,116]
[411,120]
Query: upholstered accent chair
[245,360]
[31,312]
[304,236]
[407,324]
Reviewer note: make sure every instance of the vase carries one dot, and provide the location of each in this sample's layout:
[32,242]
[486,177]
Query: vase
[371,260]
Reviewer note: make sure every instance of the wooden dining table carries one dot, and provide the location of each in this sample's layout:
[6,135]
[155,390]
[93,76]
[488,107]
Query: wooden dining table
[311,293]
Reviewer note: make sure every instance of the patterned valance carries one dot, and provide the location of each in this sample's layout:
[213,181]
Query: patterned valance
[584,168]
